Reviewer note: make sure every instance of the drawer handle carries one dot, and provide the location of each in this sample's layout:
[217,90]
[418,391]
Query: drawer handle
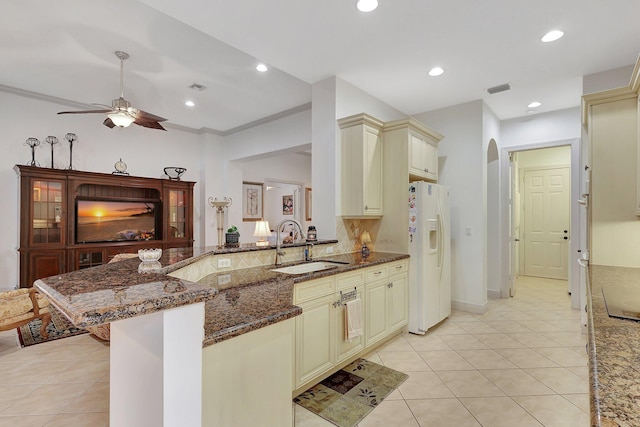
[377,272]
[399,267]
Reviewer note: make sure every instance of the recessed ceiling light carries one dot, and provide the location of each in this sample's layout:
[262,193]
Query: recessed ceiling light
[189,103]
[436,71]
[534,104]
[261,67]
[367,5]
[552,36]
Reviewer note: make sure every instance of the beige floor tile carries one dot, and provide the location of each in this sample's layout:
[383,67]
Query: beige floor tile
[508,327]
[539,326]
[390,413]
[526,358]
[535,339]
[447,328]
[426,342]
[560,380]
[462,316]
[581,371]
[95,399]
[580,400]
[569,339]
[463,342]
[565,356]
[499,412]
[499,340]
[468,384]
[445,360]
[424,385]
[477,328]
[32,373]
[93,419]
[47,399]
[11,393]
[24,421]
[89,370]
[398,343]
[441,412]
[403,361]
[516,382]
[395,395]
[486,359]
[554,411]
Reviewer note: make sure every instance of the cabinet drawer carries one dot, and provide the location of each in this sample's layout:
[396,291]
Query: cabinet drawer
[349,280]
[306,291]
[398,267]
[377,272]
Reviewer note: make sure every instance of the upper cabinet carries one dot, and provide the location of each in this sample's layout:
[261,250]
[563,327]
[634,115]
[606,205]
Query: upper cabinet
[420,145]
[362,166]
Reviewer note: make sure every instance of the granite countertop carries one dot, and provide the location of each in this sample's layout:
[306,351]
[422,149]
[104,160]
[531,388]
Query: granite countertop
[614,353]
[237,301]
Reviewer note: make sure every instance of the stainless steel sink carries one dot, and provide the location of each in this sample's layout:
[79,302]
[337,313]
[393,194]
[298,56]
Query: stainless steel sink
[307,267]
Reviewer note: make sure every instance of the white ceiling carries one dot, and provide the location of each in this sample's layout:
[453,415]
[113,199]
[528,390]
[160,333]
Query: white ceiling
[64,49]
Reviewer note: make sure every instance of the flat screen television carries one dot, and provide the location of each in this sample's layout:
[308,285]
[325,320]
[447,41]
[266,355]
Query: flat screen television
[115,221]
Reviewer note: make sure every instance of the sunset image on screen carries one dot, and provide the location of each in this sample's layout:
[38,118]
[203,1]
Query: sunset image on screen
[100,221]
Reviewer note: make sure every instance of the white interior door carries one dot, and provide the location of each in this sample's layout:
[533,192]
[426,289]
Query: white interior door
[546,222]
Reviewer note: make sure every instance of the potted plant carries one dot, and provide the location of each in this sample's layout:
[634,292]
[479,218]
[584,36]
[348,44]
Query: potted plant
[232,236]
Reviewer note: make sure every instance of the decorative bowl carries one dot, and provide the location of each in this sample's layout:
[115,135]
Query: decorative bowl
[174,172]
[149,255]
[149,267]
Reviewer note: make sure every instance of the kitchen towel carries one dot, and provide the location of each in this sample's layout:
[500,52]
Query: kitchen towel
[353,319]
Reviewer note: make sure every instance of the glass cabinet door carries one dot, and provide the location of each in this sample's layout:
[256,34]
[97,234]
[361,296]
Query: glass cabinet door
[177,214]
[47,203]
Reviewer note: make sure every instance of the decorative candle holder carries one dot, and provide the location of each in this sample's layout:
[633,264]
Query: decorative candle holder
[52,140]
[71,137]
[220,205]
[33,143]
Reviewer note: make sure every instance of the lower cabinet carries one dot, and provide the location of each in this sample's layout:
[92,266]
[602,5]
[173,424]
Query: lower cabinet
[320,329]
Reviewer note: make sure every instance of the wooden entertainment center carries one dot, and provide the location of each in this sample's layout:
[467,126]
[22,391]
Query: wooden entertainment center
[50,239]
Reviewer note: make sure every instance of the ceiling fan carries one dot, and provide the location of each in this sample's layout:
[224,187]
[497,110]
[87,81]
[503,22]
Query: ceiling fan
[121,113]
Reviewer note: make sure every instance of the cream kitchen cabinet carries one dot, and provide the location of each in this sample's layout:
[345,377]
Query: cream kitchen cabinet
[387,304]
[320,330]
[362,166]
[414,144]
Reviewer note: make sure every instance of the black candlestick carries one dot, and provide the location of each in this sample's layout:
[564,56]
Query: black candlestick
[71,137]
[33,143]
[52,140]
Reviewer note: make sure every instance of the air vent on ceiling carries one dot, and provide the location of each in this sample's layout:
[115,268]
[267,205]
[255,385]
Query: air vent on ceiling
[197,86]
[499,88]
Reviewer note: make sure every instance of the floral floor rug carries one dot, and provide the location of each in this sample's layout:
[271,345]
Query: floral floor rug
[347,396]
[59,327]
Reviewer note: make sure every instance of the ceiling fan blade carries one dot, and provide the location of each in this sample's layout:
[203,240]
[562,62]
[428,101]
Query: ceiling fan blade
[143,115]
[109,123]
[152,124]
[85,111]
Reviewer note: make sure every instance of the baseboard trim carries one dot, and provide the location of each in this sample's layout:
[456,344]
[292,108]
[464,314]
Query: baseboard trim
[469,308]
[494,294]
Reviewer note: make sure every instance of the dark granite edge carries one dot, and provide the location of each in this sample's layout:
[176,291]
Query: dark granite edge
[340,268]
[244,328]
[126,311]
[594,396]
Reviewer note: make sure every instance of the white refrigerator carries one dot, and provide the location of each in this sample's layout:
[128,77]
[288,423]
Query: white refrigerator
[430,250]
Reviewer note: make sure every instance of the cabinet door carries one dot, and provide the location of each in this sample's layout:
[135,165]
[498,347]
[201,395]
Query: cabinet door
[177,214]
[417,148]
[431,161]
[346,349]
[314,338]
[397,302]
[372,173]
[48,221]
[375,321]
[41,264]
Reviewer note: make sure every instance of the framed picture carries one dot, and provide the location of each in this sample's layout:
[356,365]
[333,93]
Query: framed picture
[251,201]
[287,205]
[307,204]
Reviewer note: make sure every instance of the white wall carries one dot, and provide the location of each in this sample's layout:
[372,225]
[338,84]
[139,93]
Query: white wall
[491,196]
[557,125]
[606,80]
[145,151]
[461,155]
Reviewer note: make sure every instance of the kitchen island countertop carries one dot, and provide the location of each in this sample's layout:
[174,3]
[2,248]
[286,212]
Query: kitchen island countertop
[614,353]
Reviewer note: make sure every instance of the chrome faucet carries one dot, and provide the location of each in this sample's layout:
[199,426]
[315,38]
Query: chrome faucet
[280,252]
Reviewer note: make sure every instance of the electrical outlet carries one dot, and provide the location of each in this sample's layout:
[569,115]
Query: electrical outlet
[224,262]
[329,249]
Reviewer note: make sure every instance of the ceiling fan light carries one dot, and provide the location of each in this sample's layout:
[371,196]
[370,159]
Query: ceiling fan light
[121,119]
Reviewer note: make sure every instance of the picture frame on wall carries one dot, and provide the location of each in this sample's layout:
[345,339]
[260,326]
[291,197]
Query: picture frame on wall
[307,204]
[252,201]
[287,205]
